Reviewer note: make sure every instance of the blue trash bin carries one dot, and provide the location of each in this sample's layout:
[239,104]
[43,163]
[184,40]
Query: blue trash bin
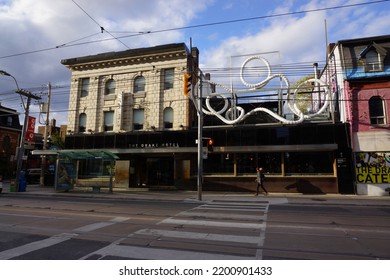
[22,181]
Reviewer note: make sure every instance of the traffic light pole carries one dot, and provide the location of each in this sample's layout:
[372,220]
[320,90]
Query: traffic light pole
[200,140]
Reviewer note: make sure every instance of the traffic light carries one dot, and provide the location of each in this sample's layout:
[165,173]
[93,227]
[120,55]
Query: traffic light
[187,81]
[210,145]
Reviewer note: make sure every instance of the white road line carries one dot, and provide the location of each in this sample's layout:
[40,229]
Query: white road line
[27,248]
[212,207]
[260,244]
[30,247]
[99,225]
[251,217]
[199,236]
[92,227]
[142,253]
[211,223]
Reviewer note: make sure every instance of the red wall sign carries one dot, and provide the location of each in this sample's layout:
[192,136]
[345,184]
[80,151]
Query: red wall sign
[30,129]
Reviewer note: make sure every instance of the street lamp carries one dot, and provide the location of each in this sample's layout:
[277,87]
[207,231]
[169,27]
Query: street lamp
[20,151]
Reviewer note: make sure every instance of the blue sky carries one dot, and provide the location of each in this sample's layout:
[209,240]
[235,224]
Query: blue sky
[31,30]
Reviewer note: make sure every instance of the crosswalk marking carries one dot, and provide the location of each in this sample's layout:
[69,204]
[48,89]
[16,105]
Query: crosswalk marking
[212,223]
[56,239]
[33,246]
[199,236]
[242,217]
[147,253]
[216,214]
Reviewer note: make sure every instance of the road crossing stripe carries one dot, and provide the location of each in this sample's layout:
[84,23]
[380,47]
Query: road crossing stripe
[142,253]
[96,226]
[221,216]
[212,207]
[212,223]
[33,246]
[199,236]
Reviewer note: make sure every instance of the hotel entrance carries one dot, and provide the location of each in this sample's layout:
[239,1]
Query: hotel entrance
[146,172]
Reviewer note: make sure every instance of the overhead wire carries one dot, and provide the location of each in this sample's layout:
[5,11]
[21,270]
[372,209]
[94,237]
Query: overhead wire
[102,29]
[133,34]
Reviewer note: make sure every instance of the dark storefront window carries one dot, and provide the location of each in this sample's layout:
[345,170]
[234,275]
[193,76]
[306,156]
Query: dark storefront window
[218,164]
[309,163]
[295,163]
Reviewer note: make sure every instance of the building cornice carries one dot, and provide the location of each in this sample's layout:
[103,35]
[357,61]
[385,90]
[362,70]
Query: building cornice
[128,57]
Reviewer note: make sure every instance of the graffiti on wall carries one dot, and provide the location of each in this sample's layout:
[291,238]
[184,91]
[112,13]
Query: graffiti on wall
[373,167]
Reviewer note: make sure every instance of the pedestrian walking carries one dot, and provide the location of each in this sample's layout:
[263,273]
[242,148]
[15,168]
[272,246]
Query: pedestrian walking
[260,181]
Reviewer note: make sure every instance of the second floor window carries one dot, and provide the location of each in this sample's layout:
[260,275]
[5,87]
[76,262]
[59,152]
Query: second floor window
[139,84]
[110,87]
[138,119]
[377,110]
[82,122]
[168,78]
[109,121]
[84,87]
[168,117]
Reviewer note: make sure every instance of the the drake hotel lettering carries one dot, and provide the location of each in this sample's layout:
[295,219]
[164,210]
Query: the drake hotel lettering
[154,145]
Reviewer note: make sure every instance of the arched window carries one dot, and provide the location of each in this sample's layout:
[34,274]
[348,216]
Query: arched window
[110,87]
[377,110]
[139,84]
[82,122]
[168,117]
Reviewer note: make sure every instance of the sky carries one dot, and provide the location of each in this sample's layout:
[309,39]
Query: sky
[37,34]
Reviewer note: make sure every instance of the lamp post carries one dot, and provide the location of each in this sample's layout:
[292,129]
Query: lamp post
[20,151]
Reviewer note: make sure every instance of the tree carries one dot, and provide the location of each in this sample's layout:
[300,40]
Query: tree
[56,141]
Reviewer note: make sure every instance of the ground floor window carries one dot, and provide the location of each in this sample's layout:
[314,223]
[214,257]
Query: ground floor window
[276,163]
[310,163]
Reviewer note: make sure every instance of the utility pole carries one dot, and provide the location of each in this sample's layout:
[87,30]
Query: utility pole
[20,152]
[44,162]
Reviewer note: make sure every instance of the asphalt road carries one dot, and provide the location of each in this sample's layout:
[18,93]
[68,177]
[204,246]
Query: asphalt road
[72,228]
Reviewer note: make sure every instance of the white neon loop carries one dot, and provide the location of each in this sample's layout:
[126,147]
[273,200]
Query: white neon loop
[227,111]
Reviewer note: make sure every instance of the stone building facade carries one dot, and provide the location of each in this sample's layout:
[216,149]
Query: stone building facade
[133,90]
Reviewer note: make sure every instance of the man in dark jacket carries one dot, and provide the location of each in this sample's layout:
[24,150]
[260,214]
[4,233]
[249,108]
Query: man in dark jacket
[260,180]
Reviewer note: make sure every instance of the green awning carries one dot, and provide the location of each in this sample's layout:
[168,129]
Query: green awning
[88,154]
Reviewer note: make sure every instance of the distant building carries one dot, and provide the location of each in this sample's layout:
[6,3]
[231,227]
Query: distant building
[359,71]
[10,131]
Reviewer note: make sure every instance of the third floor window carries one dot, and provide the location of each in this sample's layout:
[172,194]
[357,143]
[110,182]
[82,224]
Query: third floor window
[84,87]
[168,78]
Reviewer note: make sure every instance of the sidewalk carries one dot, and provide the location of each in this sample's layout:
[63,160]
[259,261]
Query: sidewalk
[206,196]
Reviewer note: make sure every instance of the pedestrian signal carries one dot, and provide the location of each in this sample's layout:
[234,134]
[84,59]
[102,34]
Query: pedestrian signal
[210,145]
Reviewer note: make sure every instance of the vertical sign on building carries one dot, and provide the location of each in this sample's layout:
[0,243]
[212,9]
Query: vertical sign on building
[30,129]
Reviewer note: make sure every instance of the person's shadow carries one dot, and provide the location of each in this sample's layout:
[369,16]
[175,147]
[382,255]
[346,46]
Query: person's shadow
[305,187]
